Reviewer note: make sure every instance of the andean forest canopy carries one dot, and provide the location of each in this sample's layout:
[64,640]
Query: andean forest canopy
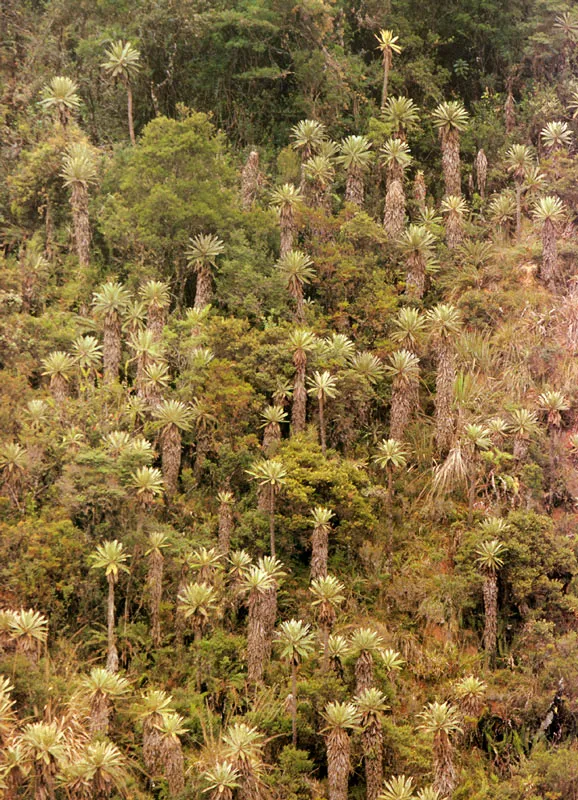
[288,418]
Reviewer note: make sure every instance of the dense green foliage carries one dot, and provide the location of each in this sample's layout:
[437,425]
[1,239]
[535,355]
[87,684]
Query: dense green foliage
[288,406]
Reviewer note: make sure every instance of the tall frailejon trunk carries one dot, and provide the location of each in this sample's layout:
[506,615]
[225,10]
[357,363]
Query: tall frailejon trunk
[490,589]
[249,786]
[129,112]
[112,346]
[271,438]
[445,378]
[549,255]
[403,400]
[270,618]
[299,407]
[518,209]
[99,715]
[272,519]
[287,230]
[294,702]
[354,192]
[363,672]
[225,527]
[338,763]
[156,320]
[454,230]
[299,304]
[386,68]
[444,771]
[174,765]
[389,473]
[204,290]
[394,212]
[372,746]
[481,163]
[256,638]
[155,586]
[250,180]
[112,653]
[509,112]
[415,277]
[171,458]
[319,552]
[419,190]
[142,383]
[322,432]
[326,620]
[44,774]
[48,228]
[203,447]
[180,620]
[450,140]
[152,744]
[521,447]
[59,388]
[79,206]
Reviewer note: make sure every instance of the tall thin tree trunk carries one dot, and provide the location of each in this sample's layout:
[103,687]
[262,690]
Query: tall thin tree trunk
[322,425]
[386,66]
[155,582]
[518,209]
[129,109]
[299,407]
[112,653]
[225,527]
[549,255]
[294,702]
[272,519]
